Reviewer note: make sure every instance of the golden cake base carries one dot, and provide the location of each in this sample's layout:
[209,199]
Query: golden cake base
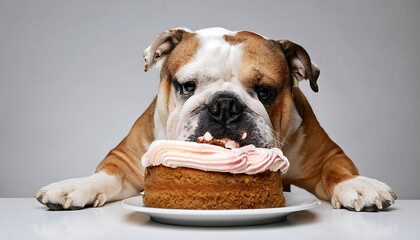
[186,188]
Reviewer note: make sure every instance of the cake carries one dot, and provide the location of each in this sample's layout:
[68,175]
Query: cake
[189,175]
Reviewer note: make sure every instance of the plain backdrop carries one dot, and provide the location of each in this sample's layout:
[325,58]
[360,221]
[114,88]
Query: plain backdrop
[72,82]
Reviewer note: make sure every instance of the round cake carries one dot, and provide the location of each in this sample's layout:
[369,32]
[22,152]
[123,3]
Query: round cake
[188,175]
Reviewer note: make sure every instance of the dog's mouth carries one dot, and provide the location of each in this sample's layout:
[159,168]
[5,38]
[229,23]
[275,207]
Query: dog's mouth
[251,130]
[222,142]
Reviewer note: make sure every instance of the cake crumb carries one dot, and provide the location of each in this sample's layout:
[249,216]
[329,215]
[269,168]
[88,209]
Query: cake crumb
[211,142]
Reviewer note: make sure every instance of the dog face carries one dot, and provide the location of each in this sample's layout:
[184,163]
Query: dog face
[235,85]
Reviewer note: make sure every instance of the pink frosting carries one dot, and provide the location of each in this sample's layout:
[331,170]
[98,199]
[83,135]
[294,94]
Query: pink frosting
[206,157]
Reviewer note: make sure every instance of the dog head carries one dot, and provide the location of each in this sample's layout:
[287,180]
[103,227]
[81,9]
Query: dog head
[235,85]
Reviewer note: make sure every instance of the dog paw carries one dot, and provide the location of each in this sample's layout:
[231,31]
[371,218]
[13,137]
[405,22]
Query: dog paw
[362,194]
[75,193]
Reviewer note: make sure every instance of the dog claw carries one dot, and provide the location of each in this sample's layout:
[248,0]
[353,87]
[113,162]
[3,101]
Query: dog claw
[38,194]
[99,200]
[95,203]
[68,203]
[394,195]
[44,200]
[335,203]
[378,203]
[357,206]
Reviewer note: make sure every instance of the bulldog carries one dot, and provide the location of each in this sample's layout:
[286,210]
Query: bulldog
[230,84]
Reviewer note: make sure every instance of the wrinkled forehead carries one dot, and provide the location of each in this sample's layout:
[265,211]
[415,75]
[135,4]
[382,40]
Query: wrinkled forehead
[217,53]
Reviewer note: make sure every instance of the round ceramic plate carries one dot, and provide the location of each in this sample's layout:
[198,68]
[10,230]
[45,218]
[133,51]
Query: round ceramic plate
[294,202]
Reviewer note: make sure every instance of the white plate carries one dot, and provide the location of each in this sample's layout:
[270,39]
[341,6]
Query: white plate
[294,202]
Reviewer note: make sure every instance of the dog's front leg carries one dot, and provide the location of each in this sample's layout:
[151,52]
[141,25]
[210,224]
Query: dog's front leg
[321,167]
[345,188]
[78,193]
[109,183]
[118,176]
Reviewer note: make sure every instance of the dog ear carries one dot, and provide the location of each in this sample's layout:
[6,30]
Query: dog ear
[300,63]
[163,44]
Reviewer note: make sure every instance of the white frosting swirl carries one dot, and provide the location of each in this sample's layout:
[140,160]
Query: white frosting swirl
[206,157]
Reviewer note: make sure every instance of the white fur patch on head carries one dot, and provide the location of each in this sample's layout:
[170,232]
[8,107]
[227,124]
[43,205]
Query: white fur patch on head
[215,58]
[214,32]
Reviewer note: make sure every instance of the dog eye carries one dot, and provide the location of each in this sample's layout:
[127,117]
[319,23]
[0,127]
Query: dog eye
[188,88]
[263,93]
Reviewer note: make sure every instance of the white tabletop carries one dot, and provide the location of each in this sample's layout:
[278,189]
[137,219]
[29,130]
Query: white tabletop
[25,218]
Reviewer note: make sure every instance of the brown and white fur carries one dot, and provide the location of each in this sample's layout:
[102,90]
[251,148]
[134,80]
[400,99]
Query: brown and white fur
[257,81]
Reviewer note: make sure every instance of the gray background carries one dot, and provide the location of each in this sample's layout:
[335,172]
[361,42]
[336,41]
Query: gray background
[72,81]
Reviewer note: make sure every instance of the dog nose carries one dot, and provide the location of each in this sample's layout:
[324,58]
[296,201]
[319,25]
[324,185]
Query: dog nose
[225,107]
